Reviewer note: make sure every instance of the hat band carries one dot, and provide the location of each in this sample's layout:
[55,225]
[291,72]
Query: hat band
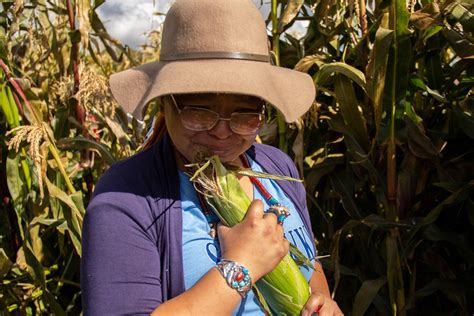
[215,55]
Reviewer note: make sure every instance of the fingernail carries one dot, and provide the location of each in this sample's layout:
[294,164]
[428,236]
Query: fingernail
[305,312]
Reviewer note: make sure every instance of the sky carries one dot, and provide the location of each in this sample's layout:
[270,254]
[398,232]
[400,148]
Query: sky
[129,20]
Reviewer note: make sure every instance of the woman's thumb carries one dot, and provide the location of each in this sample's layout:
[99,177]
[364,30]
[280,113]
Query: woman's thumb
[222,229]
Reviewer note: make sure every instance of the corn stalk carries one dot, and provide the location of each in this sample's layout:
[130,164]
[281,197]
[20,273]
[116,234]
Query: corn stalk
[283,145]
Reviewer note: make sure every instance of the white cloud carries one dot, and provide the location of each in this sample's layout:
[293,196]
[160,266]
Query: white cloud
[130,20]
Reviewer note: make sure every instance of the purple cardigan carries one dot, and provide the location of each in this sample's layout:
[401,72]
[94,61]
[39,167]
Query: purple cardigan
[132,247]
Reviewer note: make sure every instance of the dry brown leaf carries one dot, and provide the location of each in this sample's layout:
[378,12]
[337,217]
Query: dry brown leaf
[291,11]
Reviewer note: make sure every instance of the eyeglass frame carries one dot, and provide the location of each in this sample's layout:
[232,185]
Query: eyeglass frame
[219,118]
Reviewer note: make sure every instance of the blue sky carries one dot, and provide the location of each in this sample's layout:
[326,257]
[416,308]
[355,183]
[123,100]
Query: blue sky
[130,20]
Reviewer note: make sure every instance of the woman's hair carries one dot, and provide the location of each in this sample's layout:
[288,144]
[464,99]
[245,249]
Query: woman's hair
[159,128]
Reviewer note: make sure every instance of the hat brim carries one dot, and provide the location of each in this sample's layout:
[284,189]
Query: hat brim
[291,92]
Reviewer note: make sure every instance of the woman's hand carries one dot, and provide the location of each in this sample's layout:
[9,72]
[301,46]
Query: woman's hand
[321,304]
[257,242]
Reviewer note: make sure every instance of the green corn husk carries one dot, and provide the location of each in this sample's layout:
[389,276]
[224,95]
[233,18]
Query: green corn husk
[284,289]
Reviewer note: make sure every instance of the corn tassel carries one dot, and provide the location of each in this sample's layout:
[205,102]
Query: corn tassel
[284,289]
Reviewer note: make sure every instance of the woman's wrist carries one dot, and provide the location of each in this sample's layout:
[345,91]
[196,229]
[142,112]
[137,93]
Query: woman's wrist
[236,275]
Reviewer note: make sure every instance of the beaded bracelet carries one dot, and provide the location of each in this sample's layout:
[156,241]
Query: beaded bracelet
[236,275]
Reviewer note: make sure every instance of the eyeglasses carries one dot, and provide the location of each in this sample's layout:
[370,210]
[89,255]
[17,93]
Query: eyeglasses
[201,119]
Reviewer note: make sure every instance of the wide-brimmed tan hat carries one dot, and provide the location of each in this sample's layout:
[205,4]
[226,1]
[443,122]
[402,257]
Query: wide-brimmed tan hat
[214,46]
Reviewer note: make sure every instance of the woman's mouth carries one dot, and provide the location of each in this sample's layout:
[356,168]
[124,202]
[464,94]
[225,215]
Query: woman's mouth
[218,150]
[221,151]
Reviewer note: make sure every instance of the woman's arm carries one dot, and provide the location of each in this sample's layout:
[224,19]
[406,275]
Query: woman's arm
[209,296]
[318,280]
[120,264]
[257,243]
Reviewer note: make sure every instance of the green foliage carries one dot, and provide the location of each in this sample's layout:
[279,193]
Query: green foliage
[389,151]
[386,151]
[60,131]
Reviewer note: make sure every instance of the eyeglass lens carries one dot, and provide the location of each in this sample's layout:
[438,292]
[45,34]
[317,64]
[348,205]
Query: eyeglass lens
[200,119]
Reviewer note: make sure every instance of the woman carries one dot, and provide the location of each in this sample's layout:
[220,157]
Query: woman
[148,240]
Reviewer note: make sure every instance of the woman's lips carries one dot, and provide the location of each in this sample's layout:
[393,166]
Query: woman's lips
[217,150]
[219,147]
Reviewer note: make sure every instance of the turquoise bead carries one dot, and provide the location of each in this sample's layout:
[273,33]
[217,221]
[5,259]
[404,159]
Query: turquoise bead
[235,284]
[272,201]
[242,284]
[246,278]
[245,271]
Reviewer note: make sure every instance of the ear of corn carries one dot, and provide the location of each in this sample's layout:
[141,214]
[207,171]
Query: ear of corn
[284,289]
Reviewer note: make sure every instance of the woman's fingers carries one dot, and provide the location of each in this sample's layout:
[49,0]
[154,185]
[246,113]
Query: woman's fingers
[279,211]
[314,304]
[255,211]
[271,216]
[321,305]
[258,241]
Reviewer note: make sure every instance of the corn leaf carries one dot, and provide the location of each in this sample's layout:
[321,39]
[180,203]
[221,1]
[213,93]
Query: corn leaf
[5,106]
[353,117]
[262,301]
[326,70]
[299,257]
[377,70]
[81,142]
[16,187]
[72,214]
[5,263]
[258,174]
[366,295]
[34,265]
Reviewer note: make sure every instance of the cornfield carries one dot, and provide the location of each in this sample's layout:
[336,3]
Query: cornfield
[386,151]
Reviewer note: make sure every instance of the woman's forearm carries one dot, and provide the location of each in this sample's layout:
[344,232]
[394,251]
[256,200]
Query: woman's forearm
[318,280]
[256,234]
[209,296]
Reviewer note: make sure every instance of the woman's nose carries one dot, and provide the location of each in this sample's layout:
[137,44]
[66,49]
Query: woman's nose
[221,130]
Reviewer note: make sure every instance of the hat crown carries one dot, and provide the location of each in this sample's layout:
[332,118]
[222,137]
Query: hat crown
[202,26]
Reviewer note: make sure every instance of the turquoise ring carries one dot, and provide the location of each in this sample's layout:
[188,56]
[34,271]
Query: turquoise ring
[280,211]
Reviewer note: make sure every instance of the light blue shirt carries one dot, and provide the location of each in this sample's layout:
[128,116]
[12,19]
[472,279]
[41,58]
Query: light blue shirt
[201,252]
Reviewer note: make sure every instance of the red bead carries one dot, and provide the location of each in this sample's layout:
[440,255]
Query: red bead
[239,276]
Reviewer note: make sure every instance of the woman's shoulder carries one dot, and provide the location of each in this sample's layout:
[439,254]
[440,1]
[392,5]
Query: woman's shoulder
[140,186]
[273,159]
[140,174]
[124,202]
[268,149]
[126,172]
